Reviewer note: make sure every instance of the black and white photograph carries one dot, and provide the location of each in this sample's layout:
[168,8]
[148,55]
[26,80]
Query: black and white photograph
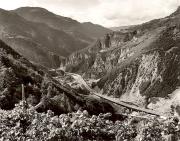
[89,70]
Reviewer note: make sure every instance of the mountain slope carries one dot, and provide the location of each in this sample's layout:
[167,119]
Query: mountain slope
[94,30]
[140,64]
[121,28]
[85,31]
[41,90]
[37,41]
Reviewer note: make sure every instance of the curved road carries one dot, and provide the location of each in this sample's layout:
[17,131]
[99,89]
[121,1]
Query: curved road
[80,80]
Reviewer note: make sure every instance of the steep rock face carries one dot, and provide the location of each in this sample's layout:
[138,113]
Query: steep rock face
[100,58]
[151,73]
[80,61]
[140,64]
[42,91]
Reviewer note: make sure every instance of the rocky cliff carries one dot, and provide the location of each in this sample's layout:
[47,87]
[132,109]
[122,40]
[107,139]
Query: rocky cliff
[41,90]
[138,65]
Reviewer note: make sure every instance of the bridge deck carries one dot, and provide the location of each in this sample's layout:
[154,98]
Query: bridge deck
[80,80]
[127,105]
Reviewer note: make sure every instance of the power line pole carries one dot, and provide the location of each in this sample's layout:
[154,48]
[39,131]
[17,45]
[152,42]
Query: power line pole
[23,94]
[24,99]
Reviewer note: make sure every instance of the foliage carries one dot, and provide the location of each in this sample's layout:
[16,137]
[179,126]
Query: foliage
[27,124]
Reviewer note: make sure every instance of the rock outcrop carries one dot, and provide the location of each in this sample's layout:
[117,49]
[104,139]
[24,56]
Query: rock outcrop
[140,64]
[41,90]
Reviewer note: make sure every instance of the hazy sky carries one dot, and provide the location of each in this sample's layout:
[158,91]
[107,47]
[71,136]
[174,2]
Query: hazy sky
[105,12]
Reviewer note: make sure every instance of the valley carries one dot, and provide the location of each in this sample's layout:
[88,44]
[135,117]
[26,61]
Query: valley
[82,81]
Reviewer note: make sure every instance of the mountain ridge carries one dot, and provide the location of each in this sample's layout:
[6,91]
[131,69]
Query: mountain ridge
[38,39]
[41,90]
[137,65]
[46,44]
[69,25]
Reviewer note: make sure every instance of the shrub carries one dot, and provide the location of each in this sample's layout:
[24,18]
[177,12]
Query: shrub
[22,124]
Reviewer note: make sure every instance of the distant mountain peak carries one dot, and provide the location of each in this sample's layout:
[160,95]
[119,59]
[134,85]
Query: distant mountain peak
[3,11]
[44,37]
[87,23]
[40,12]
[84,31]
[32,8]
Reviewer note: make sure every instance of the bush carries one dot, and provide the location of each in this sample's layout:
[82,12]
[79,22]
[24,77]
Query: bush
[22,124]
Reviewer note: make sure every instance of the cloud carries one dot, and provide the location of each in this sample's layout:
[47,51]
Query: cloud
[9,4]
[105,12]
[80,3]
[124,12]
[70,4]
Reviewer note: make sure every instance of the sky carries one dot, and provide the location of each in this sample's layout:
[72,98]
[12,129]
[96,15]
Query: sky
[109,13]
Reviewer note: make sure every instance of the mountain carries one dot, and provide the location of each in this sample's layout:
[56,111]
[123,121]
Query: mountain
[83,31]
[140,66]
[37,41]
[121,28]
[94,30]
[43,37]
[41,90]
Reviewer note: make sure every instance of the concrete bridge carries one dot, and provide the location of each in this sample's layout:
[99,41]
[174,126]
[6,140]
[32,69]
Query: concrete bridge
[123,104]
